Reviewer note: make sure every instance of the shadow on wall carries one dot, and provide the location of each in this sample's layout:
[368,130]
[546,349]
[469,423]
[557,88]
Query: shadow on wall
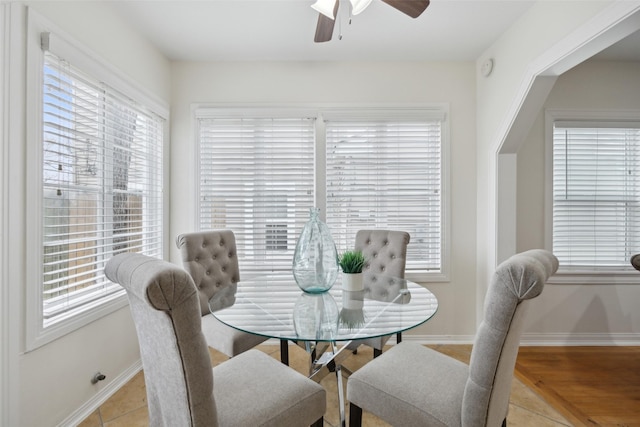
[585,313]
[594,318]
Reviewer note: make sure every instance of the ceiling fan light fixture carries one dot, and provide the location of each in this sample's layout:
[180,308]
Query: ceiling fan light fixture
[325,7]
[358,6]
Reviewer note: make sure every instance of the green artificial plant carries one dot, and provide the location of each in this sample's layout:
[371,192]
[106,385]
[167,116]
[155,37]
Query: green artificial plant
[352,262]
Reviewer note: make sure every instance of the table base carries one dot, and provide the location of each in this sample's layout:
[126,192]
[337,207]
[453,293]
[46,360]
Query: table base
[324,358]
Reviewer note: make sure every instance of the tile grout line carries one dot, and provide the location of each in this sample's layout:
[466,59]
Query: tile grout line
[538,414]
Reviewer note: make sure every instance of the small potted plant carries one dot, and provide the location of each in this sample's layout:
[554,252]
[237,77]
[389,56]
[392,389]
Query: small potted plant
[352,263]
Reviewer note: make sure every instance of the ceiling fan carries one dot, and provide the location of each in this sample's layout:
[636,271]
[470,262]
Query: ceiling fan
[329,8]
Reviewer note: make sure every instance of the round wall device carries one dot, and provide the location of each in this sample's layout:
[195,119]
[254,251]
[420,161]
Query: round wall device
[487,67]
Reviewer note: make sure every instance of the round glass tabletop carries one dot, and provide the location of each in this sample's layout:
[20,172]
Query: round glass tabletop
[275,307]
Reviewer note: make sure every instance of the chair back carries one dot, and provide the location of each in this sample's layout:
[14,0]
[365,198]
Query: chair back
[211,259]
[384,250]
[175,359]
[515,282]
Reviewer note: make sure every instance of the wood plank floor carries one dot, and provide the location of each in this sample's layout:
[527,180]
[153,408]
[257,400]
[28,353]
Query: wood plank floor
[589,386]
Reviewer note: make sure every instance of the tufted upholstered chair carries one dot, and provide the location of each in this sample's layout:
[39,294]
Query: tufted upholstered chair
[385,252]
[428,388]
[211,259]
[252,389]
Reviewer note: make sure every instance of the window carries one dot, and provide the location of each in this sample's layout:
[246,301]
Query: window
[256,178]
[260,173]
[596,195]
[98,156]
[387,174]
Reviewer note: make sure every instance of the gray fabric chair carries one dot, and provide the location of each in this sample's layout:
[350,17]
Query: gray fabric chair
[211,259]
[386,253]
[412,385]
[251,389]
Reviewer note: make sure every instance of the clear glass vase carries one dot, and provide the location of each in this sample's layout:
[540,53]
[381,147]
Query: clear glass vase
[315,261]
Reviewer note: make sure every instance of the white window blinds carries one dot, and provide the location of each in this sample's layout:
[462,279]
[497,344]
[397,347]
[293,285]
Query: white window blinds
[596,194]
[257,179]
[101,187]
[387,173]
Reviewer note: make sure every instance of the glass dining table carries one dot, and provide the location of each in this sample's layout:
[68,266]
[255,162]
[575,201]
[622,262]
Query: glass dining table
[323,324]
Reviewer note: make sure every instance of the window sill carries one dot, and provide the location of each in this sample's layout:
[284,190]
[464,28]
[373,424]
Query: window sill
[630,277]
[40,337]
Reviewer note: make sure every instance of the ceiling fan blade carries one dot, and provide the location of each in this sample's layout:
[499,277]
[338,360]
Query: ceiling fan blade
[324,28]
[413,8]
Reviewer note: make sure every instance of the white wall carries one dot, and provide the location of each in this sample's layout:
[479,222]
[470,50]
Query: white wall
[52,382]
[577,312]
[5,331]
[344,83]
[98,27]
[549,39]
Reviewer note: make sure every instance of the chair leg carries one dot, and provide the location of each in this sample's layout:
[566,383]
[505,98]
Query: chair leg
[398,337]
[355,415]
[376,352]
[284,352]
[319,423]
[504,423]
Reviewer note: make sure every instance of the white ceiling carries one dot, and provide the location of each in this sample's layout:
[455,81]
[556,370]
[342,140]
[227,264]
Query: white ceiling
[283,30]
[229,30]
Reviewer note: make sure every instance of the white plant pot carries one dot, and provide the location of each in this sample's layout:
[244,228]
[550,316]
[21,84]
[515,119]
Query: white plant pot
[352,300]
[352,282]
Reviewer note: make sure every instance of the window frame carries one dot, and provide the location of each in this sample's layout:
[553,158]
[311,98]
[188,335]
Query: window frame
[370,111]
[35,332]
[565,275]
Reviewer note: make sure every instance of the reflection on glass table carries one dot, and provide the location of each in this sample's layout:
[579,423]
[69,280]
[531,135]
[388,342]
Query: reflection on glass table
[275,307]
[315,316]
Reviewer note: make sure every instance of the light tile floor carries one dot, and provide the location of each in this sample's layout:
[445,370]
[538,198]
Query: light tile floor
[128,406]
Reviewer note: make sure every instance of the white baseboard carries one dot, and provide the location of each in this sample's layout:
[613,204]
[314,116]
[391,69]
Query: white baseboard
[548,339]
[436,339]
[581,339]
[528,339]
[102,396]
[545,339]
[421,339]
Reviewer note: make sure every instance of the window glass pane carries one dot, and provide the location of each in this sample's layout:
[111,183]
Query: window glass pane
[596,186]
[101,187]
[256,178]
[387,175]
